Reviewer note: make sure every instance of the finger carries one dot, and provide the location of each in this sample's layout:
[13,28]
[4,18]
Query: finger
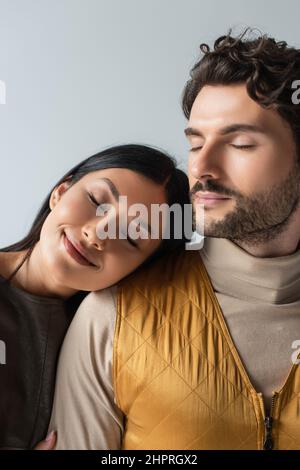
[48,443]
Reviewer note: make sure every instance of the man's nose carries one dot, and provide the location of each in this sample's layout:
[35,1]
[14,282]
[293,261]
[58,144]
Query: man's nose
[206,163]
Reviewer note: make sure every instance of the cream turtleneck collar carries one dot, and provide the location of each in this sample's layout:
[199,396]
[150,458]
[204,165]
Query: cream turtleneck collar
[242,275]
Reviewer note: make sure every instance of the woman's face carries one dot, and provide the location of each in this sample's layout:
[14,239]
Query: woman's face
[73,222]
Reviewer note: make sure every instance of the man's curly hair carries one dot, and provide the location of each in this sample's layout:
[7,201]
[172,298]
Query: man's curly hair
[268,69]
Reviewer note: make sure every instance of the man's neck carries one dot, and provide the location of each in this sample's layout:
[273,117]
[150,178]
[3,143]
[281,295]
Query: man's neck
[286,243]
[270,250]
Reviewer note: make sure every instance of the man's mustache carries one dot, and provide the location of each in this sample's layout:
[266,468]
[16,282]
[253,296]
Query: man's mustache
[211,186]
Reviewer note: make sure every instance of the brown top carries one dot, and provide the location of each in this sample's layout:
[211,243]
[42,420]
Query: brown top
[32,329]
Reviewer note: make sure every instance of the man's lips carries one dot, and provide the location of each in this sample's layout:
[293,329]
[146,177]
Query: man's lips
[73,249]
[201,195]
[210,199]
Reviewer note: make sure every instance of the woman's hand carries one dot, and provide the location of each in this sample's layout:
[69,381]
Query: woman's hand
[48,443]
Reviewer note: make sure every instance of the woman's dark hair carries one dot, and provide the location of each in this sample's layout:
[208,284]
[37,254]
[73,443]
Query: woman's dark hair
[268,68]
[149,162]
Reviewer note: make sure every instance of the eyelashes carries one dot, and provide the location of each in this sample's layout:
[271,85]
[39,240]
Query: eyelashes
[93,200]
[96,203]
[243,147]
[240,147]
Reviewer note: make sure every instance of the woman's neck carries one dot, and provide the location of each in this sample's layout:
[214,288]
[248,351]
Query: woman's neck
[31,275]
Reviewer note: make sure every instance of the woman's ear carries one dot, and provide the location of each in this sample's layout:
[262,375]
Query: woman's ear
[58,192]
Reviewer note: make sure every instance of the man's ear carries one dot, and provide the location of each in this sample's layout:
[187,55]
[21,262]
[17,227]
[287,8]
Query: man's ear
[58,192]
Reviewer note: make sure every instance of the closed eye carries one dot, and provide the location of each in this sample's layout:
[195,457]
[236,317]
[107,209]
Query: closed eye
[129,240]
[132,242]
[96,203]
[93,200]
[243,147]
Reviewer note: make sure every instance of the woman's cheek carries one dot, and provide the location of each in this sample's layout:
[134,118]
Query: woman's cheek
[69,212]
[117,268]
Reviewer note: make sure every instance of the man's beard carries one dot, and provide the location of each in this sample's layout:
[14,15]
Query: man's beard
[258,218]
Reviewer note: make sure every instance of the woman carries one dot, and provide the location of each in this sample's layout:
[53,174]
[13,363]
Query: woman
[45,276]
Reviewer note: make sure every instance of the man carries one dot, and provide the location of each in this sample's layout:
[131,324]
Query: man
[195,352]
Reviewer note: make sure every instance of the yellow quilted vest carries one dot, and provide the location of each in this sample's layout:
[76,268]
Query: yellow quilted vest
[177,375]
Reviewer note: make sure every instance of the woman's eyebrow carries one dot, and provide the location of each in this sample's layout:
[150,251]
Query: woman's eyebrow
[112,188]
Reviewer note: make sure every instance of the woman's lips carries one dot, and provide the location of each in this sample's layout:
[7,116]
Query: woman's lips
[74,253]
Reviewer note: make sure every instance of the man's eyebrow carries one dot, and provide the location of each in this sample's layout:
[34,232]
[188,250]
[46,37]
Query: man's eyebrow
[190,131]
[112,187]
[242,128]
[116,196]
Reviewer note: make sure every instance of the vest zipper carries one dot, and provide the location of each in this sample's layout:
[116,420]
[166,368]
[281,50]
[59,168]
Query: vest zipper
[268,421]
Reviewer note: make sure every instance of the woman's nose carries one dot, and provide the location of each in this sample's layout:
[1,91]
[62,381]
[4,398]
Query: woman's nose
[91,237]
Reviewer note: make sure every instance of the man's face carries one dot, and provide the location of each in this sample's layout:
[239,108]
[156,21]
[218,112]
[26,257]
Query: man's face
[246,154]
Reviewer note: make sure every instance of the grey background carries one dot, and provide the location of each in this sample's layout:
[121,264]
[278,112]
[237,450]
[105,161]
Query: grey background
[82,75]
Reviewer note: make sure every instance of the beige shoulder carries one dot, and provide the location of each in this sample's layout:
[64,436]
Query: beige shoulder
[98,307]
